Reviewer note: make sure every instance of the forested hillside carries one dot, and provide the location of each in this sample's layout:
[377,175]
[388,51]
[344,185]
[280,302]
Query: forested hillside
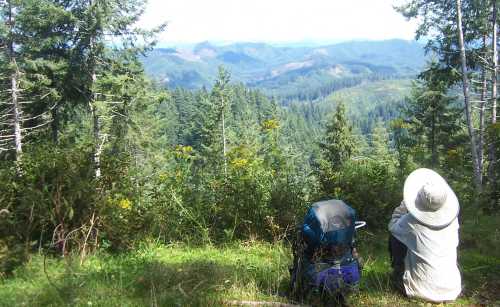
[287,72]
[135,175]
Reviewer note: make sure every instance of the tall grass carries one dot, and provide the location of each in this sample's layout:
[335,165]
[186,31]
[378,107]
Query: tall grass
[154,275]
[182,275]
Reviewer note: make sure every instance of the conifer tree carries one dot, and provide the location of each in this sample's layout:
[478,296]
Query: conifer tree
[432,115]
[102,23]
[459,31]
[30,64]
[338,145]
[404,146]
[220,95]
[11,112]
[336,149]
[211,123]
[380,149]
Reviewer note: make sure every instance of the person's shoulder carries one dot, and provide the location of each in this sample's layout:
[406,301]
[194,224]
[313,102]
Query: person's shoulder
[411,221]
[408,218]
[408,222]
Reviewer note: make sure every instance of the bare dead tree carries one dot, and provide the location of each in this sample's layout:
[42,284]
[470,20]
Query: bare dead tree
[468,110]
[482,107]
[15,122]
[14,113]
[494,76]
[94,110]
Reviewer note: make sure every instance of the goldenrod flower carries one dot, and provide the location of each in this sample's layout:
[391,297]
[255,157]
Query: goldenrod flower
[239,163]
[125,204]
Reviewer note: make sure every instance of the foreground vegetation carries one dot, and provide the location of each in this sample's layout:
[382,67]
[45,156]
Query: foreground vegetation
[180,275]
[96,159]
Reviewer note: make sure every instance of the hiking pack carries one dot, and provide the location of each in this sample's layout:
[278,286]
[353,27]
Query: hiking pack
[326,265]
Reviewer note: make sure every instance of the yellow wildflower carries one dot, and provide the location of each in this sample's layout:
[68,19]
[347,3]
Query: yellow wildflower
[183,152]
[270,124]
[239,163]
[125,204]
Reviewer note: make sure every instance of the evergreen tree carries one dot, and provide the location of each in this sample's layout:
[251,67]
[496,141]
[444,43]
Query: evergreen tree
[338,145]
[404,145]
[380,143]
[336,149]
[34,58]
[432,114]
[458,34]
[220,97]
[101,22]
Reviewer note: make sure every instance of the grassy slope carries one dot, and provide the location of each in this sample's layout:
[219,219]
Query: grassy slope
[365,97]
[177,275]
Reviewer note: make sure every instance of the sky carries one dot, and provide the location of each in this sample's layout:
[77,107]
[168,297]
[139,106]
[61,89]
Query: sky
[276,21]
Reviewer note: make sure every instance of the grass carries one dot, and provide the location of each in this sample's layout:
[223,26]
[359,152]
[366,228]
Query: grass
[179,275]
[362,98]
[154,275]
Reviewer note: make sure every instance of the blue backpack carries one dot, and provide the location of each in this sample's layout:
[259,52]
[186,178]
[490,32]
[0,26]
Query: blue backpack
[323,254]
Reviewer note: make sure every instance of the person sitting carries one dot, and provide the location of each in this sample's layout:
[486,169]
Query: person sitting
[424,239]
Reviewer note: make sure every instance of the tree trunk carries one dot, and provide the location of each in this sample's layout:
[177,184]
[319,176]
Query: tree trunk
[96,128]
[482,107]
[16,116]
[16,106]
[224,144]
[434,157]
[224,138]
[98,143]
[494,58]
[54,125]
[468,115]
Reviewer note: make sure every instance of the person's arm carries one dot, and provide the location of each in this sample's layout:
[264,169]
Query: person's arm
[397,214]
[400,225]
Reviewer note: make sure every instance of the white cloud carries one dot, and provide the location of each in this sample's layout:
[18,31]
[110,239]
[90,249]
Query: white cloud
[277,20]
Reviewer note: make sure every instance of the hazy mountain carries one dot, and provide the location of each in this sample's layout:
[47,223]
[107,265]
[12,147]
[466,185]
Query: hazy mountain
[287,71]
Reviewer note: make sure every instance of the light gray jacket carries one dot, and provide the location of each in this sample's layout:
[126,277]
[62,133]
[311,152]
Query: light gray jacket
[431,270]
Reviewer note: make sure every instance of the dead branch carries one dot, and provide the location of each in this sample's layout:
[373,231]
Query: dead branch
[83,251]
[36,116]
[36,127]
[7,136]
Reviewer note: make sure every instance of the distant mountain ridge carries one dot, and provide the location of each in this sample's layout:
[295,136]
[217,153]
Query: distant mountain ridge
[283,71]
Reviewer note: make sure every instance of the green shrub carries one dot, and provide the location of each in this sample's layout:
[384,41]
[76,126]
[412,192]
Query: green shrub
[372,188]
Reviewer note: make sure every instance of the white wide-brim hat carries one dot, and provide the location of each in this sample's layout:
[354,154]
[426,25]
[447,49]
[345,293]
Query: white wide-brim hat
[418,183]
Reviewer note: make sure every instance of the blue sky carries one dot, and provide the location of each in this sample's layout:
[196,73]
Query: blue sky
[277,21]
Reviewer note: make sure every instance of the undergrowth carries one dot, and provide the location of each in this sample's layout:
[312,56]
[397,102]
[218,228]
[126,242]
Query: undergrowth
[182,275]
